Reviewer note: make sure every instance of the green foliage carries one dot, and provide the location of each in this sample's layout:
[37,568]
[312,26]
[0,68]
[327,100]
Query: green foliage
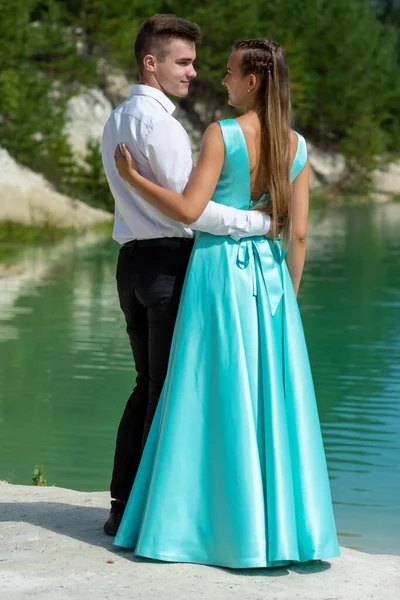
[343,56]
[363,144]
[11,232]
[88,181]
[38,476]
[32,117]
[10,476]
[111,27]
[39,70]
[345,74]
[14,237]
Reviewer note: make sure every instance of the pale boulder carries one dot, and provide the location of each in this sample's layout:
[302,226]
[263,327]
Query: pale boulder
[28,198]
[86,115]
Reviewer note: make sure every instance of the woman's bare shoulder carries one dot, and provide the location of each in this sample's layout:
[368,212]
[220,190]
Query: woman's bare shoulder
[213,141]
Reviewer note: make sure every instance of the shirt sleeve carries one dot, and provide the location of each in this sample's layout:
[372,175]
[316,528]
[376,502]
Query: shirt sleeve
[226,220]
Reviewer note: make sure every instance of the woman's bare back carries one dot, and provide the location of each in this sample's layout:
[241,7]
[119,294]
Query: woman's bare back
[251,129]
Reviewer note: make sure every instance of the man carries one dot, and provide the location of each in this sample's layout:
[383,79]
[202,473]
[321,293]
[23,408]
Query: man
[155,249]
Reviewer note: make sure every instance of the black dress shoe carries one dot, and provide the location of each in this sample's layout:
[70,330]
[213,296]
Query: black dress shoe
[114,518]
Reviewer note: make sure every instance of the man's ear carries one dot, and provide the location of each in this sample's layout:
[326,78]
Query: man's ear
[149,62]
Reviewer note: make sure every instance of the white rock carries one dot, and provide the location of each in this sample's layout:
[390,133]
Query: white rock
[328,167]
[86,115]
[53,548]
[117,85]
[28,198]
[387,179]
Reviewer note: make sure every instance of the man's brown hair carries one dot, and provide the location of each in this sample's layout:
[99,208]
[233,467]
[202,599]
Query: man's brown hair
[156,34]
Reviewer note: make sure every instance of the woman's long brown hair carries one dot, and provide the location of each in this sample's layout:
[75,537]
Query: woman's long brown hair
[266,60]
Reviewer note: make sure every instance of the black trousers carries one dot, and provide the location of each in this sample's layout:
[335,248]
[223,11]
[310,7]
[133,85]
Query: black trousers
[150,275]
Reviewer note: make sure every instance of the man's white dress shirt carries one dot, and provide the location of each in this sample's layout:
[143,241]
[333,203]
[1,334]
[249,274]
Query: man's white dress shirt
[161,147]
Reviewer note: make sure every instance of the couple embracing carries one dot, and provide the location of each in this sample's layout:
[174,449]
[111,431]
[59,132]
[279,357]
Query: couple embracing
[219,456]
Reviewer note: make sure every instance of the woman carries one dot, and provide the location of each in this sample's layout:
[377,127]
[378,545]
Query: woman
[234,472]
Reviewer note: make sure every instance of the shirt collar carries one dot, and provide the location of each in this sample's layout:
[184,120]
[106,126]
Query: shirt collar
[146,90]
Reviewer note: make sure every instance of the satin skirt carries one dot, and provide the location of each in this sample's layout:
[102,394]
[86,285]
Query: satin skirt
[234,472]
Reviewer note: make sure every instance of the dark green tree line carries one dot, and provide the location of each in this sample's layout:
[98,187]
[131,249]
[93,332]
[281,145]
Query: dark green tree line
[343,57]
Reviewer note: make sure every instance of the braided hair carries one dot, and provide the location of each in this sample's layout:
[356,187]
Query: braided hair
[266,60]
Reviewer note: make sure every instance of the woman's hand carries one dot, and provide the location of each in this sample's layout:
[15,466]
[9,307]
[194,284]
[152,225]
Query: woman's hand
[125,163]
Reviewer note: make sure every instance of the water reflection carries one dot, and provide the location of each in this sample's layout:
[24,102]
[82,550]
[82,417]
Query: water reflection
[62,381]
[352,276]
[65,367]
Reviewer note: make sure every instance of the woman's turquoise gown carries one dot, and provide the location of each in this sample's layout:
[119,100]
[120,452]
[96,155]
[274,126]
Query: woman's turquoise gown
[234,471]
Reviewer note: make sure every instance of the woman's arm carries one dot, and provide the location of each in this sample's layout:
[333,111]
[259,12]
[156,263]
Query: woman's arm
[297,250]
[186,207]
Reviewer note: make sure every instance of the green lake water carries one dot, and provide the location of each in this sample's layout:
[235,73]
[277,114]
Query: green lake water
[66,369]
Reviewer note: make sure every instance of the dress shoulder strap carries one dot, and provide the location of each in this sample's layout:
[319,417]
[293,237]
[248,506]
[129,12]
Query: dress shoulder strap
[236,163]
[300,159]
[229,129]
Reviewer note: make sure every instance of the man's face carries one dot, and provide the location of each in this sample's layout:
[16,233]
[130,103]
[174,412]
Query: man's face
[175,73]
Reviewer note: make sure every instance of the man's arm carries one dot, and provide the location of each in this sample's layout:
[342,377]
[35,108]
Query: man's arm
[219,219]
[168,150]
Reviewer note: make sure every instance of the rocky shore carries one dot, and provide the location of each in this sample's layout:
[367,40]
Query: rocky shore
[53,548]
[27,198]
